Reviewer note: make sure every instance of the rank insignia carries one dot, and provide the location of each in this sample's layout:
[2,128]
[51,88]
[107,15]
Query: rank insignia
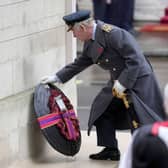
[107,27]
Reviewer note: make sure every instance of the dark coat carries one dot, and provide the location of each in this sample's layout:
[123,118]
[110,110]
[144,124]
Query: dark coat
[116,51]
[111,13]
[149,150]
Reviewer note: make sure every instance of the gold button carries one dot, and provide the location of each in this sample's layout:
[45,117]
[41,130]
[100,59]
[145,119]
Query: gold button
[107,60]
[114,69]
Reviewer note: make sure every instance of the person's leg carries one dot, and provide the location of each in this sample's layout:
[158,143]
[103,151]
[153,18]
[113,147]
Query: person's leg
[106,135]
[106,132]
[127,14]
[99,9]
[112,13]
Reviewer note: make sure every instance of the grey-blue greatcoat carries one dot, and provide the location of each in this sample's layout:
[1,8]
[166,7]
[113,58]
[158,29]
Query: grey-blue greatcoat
[116,51]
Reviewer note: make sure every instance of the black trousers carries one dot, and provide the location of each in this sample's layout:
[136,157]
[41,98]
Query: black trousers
[119,12]
[115,114]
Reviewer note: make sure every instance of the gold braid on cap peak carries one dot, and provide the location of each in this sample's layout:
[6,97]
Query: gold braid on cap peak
[107,27]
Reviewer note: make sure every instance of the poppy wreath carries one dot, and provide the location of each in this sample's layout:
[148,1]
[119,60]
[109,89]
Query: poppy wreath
[68,123]
[65,119]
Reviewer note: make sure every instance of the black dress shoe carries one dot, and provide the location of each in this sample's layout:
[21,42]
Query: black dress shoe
[106,154]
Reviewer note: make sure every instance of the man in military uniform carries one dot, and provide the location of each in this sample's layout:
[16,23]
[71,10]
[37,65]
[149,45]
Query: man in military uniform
[132,89]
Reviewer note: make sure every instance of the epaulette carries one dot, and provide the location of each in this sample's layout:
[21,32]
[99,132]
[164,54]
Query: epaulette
[107,27]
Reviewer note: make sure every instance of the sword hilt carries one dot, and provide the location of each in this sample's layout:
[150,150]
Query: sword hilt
[122,96]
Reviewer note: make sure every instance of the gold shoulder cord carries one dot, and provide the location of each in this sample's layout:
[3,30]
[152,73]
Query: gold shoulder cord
[107,27]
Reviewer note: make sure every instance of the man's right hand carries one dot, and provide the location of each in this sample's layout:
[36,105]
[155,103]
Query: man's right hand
[50,79]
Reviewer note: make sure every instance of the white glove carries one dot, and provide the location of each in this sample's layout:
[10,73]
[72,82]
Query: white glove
[118,91]
[50,79]
[118,87]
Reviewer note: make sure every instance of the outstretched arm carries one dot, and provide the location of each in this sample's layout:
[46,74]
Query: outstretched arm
[74,68]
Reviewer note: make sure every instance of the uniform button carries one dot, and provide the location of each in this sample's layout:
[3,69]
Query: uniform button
[107,60]
[114,69]
[98,63]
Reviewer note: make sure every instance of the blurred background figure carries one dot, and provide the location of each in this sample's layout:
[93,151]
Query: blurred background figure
[116,12]
[149,146]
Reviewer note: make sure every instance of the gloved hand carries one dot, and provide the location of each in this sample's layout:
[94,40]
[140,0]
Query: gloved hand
[50,79]
[118,89]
